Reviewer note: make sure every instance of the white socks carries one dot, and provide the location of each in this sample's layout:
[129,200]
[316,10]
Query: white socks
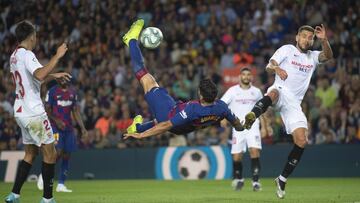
[282,178]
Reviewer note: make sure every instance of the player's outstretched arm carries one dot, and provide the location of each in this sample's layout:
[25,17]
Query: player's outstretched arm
[41,73]
[326,53]
[156,130]
[62,76]
[238,125]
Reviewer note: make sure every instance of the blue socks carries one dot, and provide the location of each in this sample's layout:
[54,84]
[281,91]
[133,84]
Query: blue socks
[63,170]
[137,59]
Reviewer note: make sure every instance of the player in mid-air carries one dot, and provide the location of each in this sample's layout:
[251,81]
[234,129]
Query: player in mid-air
[29,111]
[61,106]
[241,98]
[178,118]
[293,66]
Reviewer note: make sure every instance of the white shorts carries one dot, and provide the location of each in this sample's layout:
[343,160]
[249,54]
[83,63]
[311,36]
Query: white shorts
[290,109]
[246,139]
[36,130]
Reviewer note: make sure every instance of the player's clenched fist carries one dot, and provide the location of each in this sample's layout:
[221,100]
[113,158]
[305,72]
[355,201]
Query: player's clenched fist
[281,73]
[61,50]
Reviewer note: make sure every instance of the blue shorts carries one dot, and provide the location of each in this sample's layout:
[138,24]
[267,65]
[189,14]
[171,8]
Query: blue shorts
[160,103]
[66,140]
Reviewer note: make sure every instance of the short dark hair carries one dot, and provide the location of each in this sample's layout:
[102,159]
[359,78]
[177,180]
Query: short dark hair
[307,28]
[208,90]
[246,68]
[23,30]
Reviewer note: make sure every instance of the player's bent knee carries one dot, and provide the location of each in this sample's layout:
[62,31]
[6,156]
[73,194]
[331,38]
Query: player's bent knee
[30,157]
[50,154]
[274,95]
[300,137]
[148,82]
[237,157]
[254,153]
[50,158]
[301,142]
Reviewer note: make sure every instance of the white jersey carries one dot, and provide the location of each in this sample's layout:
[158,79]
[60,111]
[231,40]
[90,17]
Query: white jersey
[241,101]
[299,67]
[23,64]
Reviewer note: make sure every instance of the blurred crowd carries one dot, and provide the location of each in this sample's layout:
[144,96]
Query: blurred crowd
[202,39]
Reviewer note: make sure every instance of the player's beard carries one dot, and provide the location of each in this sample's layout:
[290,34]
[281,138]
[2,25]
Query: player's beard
[304,50]
[245,82]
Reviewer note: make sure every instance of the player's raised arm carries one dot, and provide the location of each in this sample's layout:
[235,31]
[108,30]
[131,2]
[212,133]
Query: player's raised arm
[41,73]
[326,53]
[156,130]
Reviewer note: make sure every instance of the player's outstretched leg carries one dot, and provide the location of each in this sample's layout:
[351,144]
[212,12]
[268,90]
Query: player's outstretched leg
[146,80]
[130,39]
[260,107]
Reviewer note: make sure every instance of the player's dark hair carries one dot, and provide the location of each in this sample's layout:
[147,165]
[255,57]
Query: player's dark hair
[23,30]
[245,69]
[307,28]
[208,90]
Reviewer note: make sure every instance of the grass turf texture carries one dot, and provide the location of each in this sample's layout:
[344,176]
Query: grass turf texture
[116,191]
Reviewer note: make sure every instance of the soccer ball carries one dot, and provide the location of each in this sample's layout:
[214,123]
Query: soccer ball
[151,37]
[193,165]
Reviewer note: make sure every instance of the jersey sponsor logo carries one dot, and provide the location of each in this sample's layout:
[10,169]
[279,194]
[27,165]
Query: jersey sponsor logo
[302,67]
[183,114]
[64,103]
[208,118]
[245,101]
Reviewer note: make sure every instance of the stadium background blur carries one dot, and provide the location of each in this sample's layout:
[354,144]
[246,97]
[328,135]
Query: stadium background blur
[200,41]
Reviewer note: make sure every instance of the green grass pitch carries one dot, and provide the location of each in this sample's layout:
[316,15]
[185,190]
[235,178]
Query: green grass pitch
[209,191]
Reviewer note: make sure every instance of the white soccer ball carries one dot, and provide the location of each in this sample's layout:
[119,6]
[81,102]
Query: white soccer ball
[151,37]
[193,165]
